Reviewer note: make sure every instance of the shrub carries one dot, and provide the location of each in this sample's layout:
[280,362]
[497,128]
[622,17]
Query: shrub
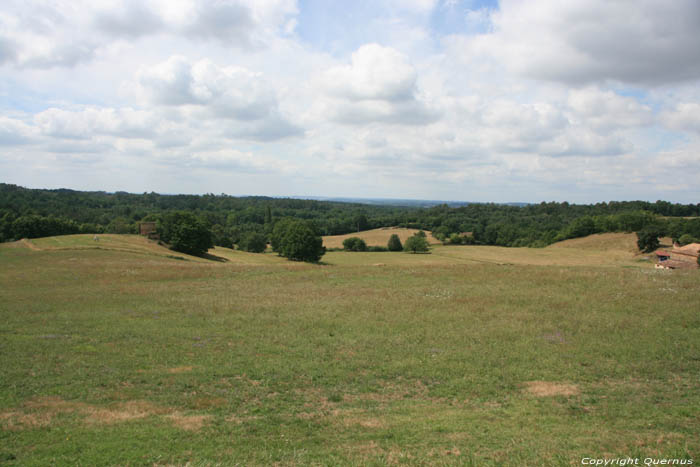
[394,243]
[377,249]
[354,244]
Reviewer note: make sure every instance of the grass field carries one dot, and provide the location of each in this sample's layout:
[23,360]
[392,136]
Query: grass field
[123,353]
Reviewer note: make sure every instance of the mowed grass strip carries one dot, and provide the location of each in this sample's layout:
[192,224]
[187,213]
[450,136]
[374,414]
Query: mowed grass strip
[114,358]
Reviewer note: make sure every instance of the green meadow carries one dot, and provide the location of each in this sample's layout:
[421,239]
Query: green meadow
[120,352]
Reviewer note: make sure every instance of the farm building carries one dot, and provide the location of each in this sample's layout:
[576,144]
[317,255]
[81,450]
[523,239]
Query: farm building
[148,229]
[680,257]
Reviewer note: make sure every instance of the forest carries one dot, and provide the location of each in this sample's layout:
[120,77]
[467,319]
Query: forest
[32,213]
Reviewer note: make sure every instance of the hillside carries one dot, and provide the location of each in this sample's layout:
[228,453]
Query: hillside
[376,237]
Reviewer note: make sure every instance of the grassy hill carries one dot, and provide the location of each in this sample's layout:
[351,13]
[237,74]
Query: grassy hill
[376,237]
[121,354]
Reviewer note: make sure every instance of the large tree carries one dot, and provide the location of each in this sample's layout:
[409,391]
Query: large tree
[298,240]
[648,239]
[416,244]
[185,232]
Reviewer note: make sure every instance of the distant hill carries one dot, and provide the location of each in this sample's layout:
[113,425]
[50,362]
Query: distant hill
[415,203]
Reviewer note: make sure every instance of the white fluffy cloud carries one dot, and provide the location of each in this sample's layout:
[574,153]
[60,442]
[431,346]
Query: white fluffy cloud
[214,92]
[379,85]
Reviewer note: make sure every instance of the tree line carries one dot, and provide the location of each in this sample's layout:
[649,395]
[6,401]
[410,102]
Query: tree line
[250,221]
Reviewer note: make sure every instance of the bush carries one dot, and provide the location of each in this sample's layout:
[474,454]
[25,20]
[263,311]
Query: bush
[185,232]
[394,243]
[354,244]
[298,240]
[377,249]
[416,244]
[253,242]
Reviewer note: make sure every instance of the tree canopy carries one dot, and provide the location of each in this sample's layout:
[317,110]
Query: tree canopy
[185,232]
[416,244]
[394,243]
[354,244]
[298,240]
[253,242]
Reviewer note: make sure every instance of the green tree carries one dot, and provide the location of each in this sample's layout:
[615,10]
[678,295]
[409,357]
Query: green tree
[648,239]
[394,243]
[298,240]
[354,244]
[253,242]
[220,236]
[416,244]
[685,239]
[185,232]
[278,233]
[360,221]
[120,225]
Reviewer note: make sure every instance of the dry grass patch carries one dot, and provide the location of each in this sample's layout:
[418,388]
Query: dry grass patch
[122,412]
[549,388]
[365,422]
[180,369]
[239,420]
[40,412]
[14,420]
[188,422]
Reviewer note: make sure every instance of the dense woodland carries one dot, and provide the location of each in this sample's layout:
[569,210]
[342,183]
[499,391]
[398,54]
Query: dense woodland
[31,213]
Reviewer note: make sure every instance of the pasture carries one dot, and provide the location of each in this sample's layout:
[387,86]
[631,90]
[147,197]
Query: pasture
[125,353]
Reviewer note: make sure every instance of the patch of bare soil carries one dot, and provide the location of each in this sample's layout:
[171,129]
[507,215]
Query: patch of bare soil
[549,388]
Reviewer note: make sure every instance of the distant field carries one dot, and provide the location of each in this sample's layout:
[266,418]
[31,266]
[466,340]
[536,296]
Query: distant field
[122,354]
[375,237]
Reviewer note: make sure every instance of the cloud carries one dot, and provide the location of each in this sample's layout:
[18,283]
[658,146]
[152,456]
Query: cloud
[230,93]
[7,50]
[131,19]
[375,72]
[65,34]
[230,22]
[685,117]
[14,132]
[90,122]
[631,41]
[379,85]
[606,109]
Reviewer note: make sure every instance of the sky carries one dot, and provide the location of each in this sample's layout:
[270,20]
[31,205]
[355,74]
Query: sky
[493,101]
